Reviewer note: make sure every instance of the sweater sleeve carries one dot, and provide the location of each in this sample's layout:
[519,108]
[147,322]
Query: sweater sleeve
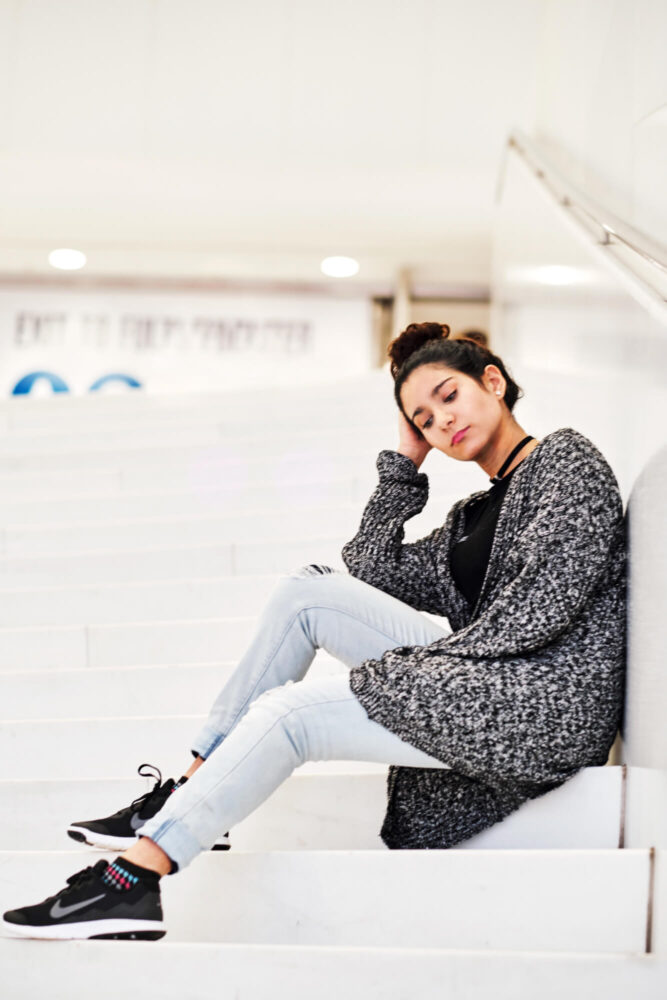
[377,554]
[562,553]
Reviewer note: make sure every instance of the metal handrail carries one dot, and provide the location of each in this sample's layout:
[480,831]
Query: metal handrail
[613,228]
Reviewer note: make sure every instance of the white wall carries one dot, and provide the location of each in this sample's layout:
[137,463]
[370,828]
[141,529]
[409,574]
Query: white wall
[594,354]
[590,356]
[602,103]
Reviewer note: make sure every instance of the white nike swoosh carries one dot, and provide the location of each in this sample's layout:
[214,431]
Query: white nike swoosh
[135,822]
[57,910]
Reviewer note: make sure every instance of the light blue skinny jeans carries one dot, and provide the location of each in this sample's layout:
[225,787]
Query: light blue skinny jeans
[266,721]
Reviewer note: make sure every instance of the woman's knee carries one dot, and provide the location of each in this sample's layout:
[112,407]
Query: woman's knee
[279,709]
[311,570]
[295,590]
[304,595]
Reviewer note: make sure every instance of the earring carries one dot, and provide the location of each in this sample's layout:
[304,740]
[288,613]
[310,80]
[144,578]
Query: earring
[497,392]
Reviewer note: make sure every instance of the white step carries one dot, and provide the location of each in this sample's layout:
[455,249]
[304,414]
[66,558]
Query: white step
[364,392]
[285,415]
[80,970]
[308,811]
[238,530]
[320,811]
[105,748]
[267,526]
[542,901]
[142,644]
[231,596]
[216,467]
[59,482]
[198,469]
[184,503]
[168,563]
[116,603]
[124,691]
[30,495]
[277,525]
[21,444]
[150,643]
[225,455]
[84,440]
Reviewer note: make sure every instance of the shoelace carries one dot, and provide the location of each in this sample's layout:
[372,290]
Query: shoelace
[142,800]
[78,879]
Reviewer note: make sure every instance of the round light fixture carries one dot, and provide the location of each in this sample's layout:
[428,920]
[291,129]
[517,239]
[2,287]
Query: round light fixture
[557,274]
[339,267]
[67,260]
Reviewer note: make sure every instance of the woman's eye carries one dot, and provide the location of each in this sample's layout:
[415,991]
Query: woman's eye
[447,399]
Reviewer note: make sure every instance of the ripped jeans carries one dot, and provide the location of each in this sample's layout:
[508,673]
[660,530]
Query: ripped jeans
[266,721]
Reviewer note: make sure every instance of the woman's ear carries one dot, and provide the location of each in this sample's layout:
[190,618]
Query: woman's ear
[493,379]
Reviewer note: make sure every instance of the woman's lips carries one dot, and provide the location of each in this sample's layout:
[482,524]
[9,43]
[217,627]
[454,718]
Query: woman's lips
[459,435]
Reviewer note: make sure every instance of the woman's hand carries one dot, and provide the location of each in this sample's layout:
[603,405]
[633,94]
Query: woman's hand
[409,444]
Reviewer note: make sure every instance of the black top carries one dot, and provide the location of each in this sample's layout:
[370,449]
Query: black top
[470,556]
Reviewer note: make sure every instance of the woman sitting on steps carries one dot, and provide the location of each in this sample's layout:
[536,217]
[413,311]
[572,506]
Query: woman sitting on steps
[522,690]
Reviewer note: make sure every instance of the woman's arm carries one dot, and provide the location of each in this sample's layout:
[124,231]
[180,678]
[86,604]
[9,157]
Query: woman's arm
[377,554]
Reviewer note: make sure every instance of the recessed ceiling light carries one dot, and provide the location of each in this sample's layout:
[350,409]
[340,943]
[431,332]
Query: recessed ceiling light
[557,274]
[339,267]
[67,260]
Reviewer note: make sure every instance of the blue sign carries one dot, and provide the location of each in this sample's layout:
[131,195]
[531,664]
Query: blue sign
[24,385]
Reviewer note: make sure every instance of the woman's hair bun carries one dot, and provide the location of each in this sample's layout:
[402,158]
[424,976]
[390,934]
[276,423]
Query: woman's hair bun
[411,339]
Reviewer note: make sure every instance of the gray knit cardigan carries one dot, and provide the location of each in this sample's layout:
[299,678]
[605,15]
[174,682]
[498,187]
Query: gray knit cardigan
[529,688]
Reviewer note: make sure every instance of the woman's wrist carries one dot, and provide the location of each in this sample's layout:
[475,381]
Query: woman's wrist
[407,453]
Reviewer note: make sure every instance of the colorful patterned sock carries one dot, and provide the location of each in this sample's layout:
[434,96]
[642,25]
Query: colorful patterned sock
[181,781]
[123,875]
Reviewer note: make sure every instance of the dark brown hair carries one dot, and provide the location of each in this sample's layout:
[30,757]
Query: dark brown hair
[477,335]
[428,343]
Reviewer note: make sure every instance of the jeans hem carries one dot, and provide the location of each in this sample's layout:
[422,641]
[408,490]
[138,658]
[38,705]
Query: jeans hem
[175,839]
[206,741]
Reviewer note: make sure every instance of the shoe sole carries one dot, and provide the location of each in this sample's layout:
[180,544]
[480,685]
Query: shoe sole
[83,836]
[130,930]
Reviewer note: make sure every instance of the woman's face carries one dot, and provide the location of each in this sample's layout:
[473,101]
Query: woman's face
[443,402]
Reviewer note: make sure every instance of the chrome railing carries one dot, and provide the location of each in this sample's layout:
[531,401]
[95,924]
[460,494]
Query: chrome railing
[645,257]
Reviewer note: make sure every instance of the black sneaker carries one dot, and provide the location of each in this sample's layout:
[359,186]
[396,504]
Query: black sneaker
[119,831]
[88,908]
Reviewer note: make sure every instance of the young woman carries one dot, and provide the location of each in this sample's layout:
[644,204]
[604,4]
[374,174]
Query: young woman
[521,691]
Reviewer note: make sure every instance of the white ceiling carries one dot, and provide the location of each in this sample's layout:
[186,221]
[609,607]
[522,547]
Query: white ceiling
[213,140]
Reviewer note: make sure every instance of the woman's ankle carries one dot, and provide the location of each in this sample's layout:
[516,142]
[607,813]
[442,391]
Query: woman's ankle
[197,763]
[147,854]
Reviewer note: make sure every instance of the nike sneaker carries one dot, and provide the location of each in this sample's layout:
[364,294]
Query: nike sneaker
[121,829]
[92,905]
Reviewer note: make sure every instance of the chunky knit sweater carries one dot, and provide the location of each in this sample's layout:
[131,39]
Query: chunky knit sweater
[529,687]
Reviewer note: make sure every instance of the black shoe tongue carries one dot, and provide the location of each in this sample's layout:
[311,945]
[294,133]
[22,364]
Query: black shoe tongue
[100,866]
[158,795]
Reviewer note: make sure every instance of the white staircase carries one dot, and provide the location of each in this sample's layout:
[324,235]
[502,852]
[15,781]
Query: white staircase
[140,538]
